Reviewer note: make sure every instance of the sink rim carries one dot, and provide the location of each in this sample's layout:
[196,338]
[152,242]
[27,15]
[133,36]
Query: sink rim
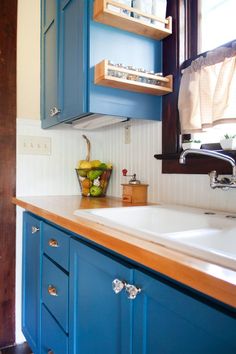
[211,255]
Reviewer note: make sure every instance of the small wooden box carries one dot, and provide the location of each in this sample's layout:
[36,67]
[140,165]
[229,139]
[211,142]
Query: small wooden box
[134,193]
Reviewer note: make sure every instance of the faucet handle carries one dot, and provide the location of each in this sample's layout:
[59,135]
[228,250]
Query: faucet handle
[213,174]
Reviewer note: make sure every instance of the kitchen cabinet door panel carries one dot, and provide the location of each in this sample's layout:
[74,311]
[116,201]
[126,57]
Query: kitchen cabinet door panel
[49,61]
[168,321]
[100,319]
[54,340]
[56,302]
[31,273]
[73,59]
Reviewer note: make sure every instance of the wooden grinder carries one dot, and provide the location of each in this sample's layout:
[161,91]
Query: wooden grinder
[134,191]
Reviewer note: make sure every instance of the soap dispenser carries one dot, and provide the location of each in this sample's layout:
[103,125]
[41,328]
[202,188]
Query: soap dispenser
[134,191]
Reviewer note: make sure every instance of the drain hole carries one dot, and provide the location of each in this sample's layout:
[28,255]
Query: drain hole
[231,216]
[209,213]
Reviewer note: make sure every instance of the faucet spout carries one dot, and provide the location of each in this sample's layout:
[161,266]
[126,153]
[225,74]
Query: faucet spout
[218,155]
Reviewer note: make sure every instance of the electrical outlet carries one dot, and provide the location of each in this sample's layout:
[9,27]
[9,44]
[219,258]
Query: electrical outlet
[34,145]
[127,134]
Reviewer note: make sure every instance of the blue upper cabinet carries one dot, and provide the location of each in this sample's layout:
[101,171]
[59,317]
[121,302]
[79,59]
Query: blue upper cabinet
[73,44]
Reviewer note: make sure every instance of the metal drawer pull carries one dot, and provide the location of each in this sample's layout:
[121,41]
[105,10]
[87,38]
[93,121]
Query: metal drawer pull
[53,243]
[132,291]
[118,285]
[34,229]
[54,111]
[52,290]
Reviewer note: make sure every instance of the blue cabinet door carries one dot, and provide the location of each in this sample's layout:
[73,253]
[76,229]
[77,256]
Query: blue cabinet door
[49,61]
[64,60]
[168,321]
[31,281]
[100,320]
[73,58]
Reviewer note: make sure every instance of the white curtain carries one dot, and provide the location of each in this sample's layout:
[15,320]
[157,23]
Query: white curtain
[207,94]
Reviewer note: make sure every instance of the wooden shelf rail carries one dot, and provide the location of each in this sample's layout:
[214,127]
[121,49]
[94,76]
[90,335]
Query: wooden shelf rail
[103,13]
[103,76]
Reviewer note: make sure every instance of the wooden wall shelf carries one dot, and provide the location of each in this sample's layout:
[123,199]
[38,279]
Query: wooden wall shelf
[102,76]
[103,14]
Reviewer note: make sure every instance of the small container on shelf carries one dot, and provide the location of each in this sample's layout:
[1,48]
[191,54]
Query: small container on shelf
[159,10]
[144,6]
[120,10]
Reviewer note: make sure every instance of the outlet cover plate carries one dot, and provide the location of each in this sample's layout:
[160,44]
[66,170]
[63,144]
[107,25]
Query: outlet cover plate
[34,145]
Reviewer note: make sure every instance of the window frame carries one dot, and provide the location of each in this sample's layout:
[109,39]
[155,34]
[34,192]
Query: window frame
[179,49]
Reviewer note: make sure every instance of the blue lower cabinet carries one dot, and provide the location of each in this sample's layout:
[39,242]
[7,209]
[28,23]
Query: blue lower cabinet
[31,274]
[103,304]
[149,316]
[54,340]
[100,319]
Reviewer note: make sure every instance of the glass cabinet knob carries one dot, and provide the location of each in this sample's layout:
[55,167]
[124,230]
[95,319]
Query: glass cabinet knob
[118,285]
[132,291]
[54,111]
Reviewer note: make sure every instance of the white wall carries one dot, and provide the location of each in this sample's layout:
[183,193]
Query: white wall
[55,175]
[28,59]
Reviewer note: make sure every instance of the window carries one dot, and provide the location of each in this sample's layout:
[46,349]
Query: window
[216,17]
[181,46]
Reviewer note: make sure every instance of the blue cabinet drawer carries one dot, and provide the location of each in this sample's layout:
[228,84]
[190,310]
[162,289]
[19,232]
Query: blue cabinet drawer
[55,292]
[56,245]
[53,338]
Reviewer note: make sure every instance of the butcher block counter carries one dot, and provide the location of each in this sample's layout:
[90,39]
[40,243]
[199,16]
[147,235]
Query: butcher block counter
[215,281]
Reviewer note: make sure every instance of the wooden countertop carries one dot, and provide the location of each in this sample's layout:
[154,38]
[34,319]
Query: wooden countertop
[215,281]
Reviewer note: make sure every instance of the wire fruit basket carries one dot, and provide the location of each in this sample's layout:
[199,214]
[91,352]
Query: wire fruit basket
[93,181]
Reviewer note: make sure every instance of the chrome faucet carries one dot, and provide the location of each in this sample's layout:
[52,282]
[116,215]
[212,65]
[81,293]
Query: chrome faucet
[224,182]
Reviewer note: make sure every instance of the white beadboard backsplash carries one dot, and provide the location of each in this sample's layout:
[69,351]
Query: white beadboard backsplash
[55,174]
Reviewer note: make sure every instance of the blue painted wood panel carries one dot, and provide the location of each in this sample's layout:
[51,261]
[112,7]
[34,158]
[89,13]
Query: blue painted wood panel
[168,321]
[53,337]
[100,320]
[59,254]
[49,61]
[120,46]
[58,305]
[31,274]
[73,59]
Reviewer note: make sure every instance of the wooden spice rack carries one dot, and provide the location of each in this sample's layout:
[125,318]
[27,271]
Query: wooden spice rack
[105,15]
[102,77]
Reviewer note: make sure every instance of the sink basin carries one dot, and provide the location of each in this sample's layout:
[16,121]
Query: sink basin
[207,235]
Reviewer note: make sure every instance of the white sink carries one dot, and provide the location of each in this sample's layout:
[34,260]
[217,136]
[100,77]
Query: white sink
[207,235]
